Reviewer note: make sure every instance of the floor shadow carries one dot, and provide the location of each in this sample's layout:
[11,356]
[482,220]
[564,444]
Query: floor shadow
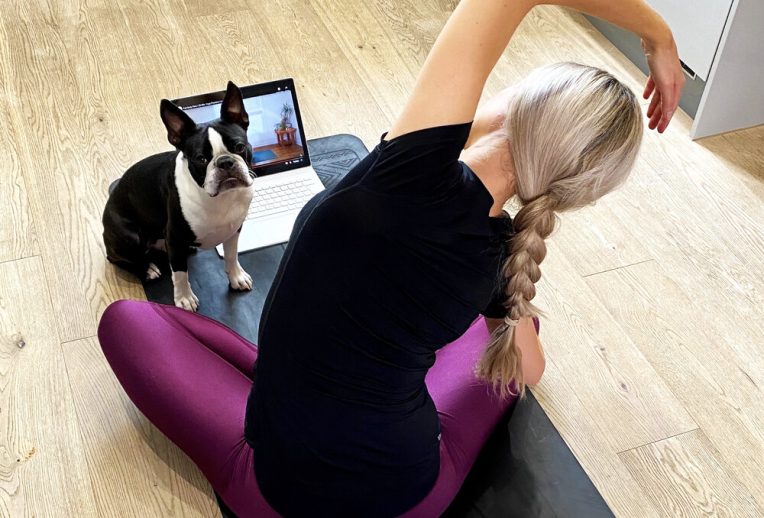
[176,461]
[744,149]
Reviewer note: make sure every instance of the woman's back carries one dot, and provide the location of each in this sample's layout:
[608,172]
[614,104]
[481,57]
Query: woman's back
[393,263]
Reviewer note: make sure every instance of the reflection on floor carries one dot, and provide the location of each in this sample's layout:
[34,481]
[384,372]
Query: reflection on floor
[265,155]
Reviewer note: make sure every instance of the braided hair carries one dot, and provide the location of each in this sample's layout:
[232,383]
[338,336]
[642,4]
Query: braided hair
[574,133]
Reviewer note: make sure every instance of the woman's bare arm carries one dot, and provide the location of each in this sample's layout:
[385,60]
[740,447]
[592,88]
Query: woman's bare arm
[526,338]
[452,78]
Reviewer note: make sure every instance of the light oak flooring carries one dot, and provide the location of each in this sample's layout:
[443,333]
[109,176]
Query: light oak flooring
[655,296]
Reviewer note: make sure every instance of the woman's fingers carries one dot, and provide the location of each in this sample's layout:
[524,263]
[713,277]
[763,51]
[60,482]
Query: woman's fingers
[655,116]
[670,95]
[668,105]
[649,87]
[664,84]
[669,102]
[665,119]
[654,103]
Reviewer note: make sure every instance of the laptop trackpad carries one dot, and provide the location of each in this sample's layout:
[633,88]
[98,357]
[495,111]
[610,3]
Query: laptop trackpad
[261,232]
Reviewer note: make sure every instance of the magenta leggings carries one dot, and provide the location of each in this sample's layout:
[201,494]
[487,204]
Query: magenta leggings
[190,376]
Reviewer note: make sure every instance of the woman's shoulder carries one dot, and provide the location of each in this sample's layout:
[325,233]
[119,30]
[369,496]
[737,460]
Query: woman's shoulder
[448,134]
[420,163]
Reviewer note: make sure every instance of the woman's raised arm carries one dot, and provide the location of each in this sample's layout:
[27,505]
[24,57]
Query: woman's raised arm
[451,81]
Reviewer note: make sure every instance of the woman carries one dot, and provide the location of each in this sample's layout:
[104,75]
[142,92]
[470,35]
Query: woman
[351,412]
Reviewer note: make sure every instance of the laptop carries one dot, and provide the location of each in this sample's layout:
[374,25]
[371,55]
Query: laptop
[280,159]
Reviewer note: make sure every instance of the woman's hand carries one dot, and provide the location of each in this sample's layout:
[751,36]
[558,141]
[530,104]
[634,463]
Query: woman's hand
[664,84]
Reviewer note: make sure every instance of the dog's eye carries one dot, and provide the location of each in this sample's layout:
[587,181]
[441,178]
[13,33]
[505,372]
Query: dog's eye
[201,159]
[239,148]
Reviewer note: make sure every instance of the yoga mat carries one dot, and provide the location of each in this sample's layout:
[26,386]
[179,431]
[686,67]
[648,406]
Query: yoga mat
[263,156]
[525,469]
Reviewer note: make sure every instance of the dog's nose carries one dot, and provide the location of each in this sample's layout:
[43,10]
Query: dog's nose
[225,162]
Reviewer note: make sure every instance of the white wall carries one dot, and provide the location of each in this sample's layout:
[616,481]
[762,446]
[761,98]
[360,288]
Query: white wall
[264,113]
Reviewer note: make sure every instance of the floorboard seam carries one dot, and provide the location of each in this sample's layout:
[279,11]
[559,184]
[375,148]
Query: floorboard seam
[77,339]
[659,440]
[617,268]
[20,258]
[56,323]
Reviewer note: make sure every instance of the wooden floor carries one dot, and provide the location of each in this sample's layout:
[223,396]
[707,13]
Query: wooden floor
[655,296]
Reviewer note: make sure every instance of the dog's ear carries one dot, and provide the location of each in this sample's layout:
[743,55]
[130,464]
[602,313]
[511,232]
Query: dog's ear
[232,110]
[179,125]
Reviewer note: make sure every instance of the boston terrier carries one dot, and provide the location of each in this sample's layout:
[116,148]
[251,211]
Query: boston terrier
[196,196]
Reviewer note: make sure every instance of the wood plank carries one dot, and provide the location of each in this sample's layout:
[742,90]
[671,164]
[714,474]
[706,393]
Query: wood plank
[330,88]
[702,261]
[249,56]
[594,240]
[125,450]
[412,27]
[387,68]
[724,206]
[692,356]
[252,57]
[191,8]
[741,155]
[43,471]
[66,205]
[610,375]
[586,436]
[683,476]
[17,233]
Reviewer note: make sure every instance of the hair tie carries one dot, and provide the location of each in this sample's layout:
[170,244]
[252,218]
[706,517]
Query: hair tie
[509,322]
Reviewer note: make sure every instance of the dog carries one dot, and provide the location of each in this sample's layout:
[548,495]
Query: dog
[194,197]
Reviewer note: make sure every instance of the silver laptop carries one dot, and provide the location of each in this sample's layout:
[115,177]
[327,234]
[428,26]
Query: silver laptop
[285,179]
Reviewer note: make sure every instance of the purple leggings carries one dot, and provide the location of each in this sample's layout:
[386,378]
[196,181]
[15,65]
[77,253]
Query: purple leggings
[190,376]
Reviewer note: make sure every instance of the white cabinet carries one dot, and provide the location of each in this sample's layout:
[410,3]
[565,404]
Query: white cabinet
[722,41]
[697,26]
[734,94]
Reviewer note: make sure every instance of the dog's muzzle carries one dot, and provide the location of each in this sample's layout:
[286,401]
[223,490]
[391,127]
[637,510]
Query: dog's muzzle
[230,173]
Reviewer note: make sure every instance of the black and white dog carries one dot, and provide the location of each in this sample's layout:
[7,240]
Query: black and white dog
[196,196]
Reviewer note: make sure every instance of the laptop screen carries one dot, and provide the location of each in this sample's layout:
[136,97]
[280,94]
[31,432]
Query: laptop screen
[275,126]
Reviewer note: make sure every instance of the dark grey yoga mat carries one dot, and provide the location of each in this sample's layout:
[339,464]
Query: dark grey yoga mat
[525,469]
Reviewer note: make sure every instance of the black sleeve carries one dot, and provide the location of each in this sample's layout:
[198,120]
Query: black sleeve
[495,307]
[421,162]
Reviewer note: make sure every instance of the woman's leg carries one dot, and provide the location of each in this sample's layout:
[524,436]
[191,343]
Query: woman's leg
[469,410]
[190,376]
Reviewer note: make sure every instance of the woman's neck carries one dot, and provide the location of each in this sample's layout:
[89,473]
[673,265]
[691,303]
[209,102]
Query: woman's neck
[490,159]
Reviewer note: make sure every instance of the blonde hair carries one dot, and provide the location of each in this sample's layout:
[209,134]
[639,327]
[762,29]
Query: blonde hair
[574,133]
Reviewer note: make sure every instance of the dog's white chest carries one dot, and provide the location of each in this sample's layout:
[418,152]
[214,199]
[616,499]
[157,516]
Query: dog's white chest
[215,226]
[212,220]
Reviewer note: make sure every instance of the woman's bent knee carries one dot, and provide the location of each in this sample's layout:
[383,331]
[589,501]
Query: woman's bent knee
[121,320]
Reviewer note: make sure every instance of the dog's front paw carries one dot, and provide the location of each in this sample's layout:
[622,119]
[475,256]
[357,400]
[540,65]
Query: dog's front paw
[182,293]
[188,301]
[153,272]
[239,279]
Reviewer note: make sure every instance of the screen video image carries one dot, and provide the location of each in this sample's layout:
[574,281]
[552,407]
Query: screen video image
[273,131]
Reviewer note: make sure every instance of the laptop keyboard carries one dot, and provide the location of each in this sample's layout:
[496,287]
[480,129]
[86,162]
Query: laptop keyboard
[278,198]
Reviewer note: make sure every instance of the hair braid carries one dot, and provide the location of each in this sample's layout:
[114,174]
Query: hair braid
[502,359]
[574,134]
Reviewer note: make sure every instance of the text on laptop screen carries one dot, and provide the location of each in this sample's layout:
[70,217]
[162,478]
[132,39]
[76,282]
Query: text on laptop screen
[273,133]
